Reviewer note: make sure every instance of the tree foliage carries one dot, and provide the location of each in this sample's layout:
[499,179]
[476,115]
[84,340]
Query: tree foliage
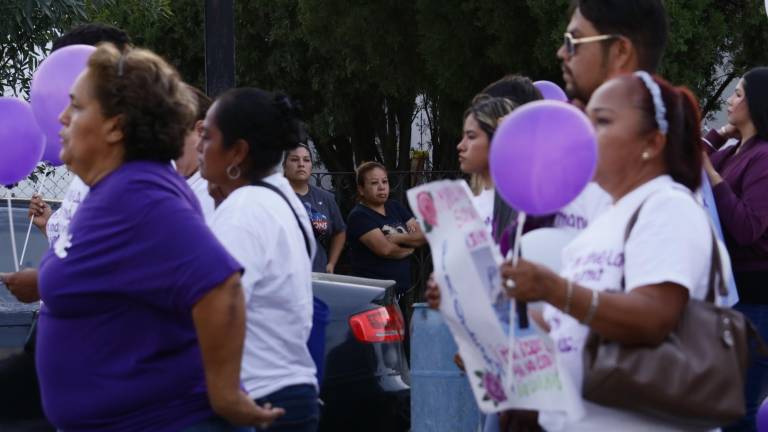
[27,27]
[363,70]
[173,28]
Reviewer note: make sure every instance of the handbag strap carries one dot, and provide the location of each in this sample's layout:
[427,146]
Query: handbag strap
[716,280]
[296,215]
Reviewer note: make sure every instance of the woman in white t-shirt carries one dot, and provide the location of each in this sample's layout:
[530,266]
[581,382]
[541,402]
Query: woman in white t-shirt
[265,227]
[187,165]
[480,122]
[649,156]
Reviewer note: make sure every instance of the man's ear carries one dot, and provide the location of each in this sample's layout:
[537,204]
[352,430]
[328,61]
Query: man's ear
[623,56]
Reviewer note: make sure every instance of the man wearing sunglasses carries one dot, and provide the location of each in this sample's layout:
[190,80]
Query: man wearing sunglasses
[606,38]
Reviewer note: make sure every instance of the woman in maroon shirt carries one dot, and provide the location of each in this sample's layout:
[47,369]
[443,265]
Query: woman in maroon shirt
[739,177]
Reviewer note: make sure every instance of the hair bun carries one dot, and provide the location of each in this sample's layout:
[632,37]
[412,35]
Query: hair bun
[294,130]
[286,106]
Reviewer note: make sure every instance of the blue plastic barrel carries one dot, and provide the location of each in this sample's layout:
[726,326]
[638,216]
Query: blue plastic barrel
[316,342]
[441,399]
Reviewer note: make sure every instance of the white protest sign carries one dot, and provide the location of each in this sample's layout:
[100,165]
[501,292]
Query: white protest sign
[466,263]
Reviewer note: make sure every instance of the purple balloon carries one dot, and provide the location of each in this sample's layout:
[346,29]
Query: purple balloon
[21,140]
[762,417]
[543,156]
[49,93]
[551,91]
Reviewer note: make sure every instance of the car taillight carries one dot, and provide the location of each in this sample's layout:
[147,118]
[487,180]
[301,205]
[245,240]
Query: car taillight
[383,324]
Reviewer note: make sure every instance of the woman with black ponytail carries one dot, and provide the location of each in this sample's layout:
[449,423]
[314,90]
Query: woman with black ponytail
[265,227]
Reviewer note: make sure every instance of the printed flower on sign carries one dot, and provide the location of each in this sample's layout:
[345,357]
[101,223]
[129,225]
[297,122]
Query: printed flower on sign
[494,390]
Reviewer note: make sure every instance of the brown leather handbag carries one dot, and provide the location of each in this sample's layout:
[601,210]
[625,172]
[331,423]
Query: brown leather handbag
[695,377]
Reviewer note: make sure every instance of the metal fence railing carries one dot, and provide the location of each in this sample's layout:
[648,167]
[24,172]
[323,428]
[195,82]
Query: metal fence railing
[341,184]
[54,184]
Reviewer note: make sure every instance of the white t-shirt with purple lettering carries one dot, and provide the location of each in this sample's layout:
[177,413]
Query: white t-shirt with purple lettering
[670,242]
[58,223]
[484,205]
[584,209]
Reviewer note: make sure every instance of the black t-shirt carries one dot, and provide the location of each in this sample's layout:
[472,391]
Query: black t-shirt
[364,262]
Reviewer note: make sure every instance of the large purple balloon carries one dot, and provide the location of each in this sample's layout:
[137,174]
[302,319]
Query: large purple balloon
[49,93]
[543,156]
[551,91]
[762,417]
[21,141]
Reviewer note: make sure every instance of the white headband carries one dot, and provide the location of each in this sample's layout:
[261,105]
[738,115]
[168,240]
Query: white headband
[658,102]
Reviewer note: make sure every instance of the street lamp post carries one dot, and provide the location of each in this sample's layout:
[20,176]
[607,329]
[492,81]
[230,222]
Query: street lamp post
[219,46]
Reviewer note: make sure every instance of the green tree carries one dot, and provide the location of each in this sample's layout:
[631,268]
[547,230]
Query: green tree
[739,31]
[26,29]
[360,68]
[694,54]
[172,28]
[337,60]
[371,73]
[29,26]
[466,45]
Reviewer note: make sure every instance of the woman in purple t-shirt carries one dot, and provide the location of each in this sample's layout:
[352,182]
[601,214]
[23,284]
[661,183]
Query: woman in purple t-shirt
[142,321]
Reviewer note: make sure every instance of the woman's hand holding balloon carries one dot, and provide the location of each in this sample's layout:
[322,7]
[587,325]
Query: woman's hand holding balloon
[531,282]
[39,211]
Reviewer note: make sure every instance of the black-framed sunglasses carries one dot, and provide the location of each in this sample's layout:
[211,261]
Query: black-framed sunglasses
[570,42]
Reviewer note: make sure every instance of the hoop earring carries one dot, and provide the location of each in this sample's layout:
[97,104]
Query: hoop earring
[233,172]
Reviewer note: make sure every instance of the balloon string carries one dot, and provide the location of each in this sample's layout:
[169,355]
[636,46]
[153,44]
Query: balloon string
[31,219]
[513,254]
[13,235]
[518,233]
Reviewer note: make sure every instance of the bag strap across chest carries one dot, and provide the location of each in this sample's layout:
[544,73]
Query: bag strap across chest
[716,279]
[273,188]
